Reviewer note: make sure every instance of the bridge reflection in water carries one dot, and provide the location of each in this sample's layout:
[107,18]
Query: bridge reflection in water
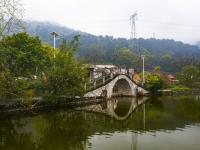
[117,108]
[120,109]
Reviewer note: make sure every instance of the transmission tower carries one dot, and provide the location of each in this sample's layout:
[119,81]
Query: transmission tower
[133,25]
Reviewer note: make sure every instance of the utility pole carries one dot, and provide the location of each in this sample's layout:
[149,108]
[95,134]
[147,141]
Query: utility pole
[143,79]
[54,43]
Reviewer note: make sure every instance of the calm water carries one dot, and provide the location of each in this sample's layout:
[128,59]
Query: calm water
[167,123]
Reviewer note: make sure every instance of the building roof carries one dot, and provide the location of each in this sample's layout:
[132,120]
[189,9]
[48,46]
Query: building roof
[171,76]
[101,66]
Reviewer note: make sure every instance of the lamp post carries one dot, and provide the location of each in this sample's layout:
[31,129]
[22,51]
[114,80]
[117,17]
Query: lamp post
[143,80]
[54,43]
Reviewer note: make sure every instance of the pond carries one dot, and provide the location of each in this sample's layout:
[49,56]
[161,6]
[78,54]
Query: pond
[119,124]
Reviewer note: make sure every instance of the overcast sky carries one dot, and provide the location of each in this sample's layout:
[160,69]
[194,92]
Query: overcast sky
[172,19]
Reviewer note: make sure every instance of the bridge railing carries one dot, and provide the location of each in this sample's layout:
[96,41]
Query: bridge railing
[105,77]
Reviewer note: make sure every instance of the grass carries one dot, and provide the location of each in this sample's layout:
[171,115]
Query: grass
[179,88]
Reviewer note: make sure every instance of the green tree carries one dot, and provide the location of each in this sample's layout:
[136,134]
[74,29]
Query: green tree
[64,45]
[7,84]
[154,82]
[70,47]
[189,76]
[24,55]
[66,78]
[157,69]
[95,54]
[125,57]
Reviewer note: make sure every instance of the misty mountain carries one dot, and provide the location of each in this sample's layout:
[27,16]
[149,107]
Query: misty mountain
[169,54]
[198,44]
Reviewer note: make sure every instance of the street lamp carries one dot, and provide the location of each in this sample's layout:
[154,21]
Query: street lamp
[54,43]
[143,80]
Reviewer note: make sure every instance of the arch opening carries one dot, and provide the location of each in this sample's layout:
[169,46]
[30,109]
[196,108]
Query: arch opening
[123,106]
[122,88]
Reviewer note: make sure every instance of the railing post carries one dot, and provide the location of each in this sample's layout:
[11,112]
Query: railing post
[90,78]
[111,75]
[95,83]
[103,79]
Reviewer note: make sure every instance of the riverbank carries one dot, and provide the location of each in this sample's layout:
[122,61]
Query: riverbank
[169,92]
[16,106]
[39,104]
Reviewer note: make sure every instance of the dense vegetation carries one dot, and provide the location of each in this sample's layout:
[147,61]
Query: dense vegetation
[170,55]
[28,68]
[190,76]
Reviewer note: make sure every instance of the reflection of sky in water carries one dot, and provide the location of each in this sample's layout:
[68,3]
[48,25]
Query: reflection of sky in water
[186,139]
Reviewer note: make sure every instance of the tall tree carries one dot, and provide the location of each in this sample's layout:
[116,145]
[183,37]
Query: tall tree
[23,55]
[67,76]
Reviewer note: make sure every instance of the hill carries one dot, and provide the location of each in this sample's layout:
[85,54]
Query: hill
[169,54]
[198,44]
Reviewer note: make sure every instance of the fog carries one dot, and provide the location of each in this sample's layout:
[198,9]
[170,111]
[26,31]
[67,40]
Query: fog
[168,19]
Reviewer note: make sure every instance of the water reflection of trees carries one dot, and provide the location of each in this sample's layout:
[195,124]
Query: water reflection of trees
[71,130]
[64,131]
[11,137]
[58,131]
[169,113]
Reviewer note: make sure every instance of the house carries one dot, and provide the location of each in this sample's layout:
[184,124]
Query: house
[171,78]
[96,71]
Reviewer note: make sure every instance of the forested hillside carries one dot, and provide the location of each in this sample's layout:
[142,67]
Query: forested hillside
[169,54]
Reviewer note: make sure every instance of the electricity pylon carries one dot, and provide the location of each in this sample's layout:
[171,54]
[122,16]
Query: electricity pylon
[133,25]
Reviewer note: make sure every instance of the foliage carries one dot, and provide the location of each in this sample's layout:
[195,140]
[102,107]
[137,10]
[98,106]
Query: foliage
[29,69]
[154,82]
[70,47]
[179,88]
[157,69]
[12,87]
[7,84]
[66,77]
[23,55]
[146,75]
[189,76]
[126,57]
[170,55]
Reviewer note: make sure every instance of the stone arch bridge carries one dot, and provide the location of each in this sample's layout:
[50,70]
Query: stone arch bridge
[118,84]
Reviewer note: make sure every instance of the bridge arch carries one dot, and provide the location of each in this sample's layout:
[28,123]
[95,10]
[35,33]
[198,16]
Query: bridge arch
[122,88]
[120,85]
